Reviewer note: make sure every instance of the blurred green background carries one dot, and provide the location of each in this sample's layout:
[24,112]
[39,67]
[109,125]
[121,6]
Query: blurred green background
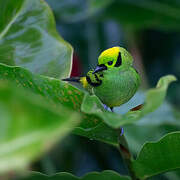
[150,30]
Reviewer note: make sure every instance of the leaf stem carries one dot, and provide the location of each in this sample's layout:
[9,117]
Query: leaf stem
[126,155]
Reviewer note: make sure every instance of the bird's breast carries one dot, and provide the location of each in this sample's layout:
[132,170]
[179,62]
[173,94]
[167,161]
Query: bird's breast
[117,87]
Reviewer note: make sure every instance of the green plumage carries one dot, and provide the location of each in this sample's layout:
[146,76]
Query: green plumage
[118,86]
[114,80]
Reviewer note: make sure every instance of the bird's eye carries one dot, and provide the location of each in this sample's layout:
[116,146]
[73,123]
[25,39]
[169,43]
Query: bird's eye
[110,62]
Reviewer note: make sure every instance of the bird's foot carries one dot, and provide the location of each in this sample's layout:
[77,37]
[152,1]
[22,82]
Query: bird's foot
[112,110]
[122,131]
[105,107]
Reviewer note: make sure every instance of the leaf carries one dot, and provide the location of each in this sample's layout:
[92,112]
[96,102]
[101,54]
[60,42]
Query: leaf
[99,131]
[154,99]
[75,11]
[92,125]
[29,126]
[153,126]
[105,175]
[156,96]
[132,14]
[53,89]
[158,157]
[62,93]
[145,14]
[28,38]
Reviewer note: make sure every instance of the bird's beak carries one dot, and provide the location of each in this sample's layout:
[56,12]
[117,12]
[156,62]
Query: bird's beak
[100,68]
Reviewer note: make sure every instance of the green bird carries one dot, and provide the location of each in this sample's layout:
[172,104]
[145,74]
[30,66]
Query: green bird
[114,81]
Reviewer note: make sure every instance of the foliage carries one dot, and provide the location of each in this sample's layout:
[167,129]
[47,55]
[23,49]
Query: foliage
[154,99]
[60,92]
[67,176]
[158,157]
[29,126]
[144,14]
[141,14]
[28,38]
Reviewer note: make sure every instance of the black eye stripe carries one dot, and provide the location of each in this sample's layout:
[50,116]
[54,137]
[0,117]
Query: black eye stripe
[119,60]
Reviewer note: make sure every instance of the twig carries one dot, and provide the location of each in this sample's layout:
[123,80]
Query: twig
[126,155]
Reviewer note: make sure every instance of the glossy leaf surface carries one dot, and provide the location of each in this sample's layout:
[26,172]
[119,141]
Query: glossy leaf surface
[146,14]
[92,125]
[158,157]
[154,98]
[133,14]
[105,175]
[29,126]
[63,93]
[28,38]
[75,11]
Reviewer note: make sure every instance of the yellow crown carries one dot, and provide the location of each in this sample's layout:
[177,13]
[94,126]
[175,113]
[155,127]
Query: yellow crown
[114,51]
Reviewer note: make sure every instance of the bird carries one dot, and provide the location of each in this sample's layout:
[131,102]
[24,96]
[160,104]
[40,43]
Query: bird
[114,80]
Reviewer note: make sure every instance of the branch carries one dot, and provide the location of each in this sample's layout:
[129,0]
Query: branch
[126,155]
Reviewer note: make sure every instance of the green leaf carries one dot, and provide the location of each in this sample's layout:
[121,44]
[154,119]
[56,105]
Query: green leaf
[29,126]
[59,92]
[52,89]
[158,157]
[92,125]
[105,175]
[133,14]
[28,38]
[75,11]
[154,98]
[153,126]
[146,14]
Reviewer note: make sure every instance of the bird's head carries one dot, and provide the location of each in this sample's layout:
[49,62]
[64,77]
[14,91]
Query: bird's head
[115,57]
